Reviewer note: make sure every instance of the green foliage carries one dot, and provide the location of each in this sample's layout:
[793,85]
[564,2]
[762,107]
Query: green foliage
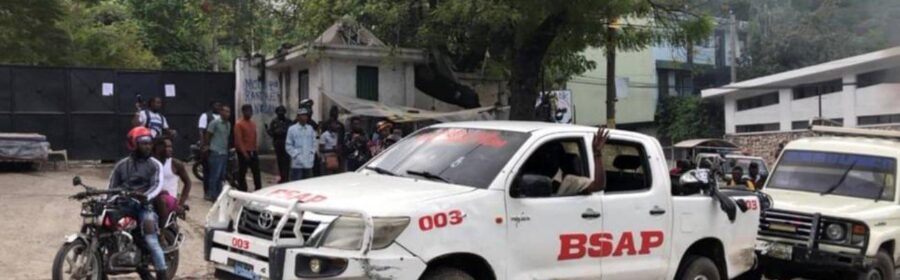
[688,117]
[787,35]
[105,35]
[28,31]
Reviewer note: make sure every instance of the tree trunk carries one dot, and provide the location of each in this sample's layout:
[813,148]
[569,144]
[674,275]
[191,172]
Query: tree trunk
[526,67]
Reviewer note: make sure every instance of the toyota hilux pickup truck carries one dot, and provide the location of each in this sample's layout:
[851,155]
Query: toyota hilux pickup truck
[462,201]
[836,212]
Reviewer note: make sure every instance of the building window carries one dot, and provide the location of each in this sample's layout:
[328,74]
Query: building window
[303,86]
[816,89]
[757,127]
[878,119]
[367,83]
[878,77]
[800,125]
[757,101]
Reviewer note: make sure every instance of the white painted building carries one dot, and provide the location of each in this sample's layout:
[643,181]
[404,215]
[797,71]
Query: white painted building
[859,91]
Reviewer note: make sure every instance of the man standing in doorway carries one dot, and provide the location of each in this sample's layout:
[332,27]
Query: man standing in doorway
[245,144]
[301,146]
[153,119]
[215,141]
[278,130]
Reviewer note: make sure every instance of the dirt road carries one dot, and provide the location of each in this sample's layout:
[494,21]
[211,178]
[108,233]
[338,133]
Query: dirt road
[36,215]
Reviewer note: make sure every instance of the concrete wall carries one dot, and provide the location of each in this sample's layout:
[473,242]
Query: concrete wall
[589,89]
[766,145]
[264,96]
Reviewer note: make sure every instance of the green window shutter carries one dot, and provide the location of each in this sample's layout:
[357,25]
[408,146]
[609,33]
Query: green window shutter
[367,83]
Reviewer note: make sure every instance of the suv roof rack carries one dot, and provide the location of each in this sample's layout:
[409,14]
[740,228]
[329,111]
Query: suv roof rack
[864,132]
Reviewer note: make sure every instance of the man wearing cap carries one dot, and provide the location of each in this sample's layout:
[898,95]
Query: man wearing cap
[301,146]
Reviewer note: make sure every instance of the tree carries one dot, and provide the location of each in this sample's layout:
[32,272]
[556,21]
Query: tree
[523,38]
[173,30]
[688,117]
[786,35]
[104,34]
[29,33]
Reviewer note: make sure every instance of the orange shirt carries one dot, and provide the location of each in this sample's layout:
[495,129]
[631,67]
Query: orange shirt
[245,136]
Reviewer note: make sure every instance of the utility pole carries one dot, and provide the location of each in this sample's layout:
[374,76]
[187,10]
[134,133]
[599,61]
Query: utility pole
[733,39]
[611,74]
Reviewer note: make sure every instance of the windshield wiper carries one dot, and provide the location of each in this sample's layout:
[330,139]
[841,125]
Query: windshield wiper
[841,181]
[428,175]
[380,170]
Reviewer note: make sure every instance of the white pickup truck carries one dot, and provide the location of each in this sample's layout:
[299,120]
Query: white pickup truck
[460,201]
[836,212]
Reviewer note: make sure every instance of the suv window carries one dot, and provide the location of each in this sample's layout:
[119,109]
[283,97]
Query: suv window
[626,167]
[854,175]
[557,159]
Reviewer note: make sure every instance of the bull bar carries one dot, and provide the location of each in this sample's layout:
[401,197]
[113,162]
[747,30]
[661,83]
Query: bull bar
[226,209]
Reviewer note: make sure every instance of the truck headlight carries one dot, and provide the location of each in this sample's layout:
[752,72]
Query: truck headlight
[346,232]
[835,232]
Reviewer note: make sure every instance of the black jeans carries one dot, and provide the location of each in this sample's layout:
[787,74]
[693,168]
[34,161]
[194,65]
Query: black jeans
[253,164]
[283,159]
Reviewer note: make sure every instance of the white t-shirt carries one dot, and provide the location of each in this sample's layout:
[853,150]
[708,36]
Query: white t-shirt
[170,179]
[157,122]
[328,140]
[203,122]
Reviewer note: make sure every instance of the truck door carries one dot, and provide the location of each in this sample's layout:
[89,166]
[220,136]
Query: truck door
[549,234]
[636,211]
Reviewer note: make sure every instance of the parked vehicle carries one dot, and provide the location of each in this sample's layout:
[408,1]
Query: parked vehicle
[459,201]
[109,242]
[199,163]
[836,208]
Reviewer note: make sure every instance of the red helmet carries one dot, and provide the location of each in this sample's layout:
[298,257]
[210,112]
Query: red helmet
[138,133]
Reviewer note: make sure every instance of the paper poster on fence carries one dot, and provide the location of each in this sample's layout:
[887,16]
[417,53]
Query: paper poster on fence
[558,107]
[170,90]
[107,89]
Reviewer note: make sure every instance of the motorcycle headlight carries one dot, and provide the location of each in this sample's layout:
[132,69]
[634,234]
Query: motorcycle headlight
[346,232]
[835,232]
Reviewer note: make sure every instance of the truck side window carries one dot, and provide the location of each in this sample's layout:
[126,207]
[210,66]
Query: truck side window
[626,166]
[555,160]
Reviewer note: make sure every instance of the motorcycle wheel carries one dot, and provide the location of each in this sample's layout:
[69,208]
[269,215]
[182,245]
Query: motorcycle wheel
[168,237]
[198,170]
[73,255]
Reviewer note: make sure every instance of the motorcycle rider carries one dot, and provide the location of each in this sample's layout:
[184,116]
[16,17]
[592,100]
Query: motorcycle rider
[140,173]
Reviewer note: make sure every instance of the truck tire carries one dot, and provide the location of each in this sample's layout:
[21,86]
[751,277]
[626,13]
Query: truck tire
[440,273]
[882,268]
[698,268]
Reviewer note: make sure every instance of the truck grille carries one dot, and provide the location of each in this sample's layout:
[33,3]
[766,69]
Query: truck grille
[249,224]
[789,225]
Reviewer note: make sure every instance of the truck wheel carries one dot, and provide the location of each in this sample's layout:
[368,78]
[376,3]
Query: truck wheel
[882,269]
[698,268]
[440,273]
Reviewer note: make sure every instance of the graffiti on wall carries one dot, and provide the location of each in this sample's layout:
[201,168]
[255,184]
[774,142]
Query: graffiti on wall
[263,97]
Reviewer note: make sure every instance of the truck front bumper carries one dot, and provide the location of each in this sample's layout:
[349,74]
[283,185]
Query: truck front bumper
[799,260]
[261,259]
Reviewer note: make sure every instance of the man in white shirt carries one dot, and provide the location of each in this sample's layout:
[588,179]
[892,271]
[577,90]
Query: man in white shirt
[301,146]
[208,116]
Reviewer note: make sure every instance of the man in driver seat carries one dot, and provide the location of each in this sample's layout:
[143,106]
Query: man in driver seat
[549,161]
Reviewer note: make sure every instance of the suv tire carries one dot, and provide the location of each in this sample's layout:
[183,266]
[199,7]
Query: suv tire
[440,273]
[882,268]
[696,267]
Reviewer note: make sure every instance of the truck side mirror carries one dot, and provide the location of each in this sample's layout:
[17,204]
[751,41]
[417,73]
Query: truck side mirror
[530,185]
[693,181]
[76,181]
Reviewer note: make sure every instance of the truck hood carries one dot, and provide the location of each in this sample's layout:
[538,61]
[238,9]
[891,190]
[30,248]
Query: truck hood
[829,205]
[372,192]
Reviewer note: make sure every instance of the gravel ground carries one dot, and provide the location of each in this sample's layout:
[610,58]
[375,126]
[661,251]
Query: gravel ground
[37,215]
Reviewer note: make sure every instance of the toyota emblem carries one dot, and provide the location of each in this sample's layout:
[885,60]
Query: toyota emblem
[265,220]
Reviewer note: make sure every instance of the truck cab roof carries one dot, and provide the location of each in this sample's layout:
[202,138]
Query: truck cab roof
[848,144]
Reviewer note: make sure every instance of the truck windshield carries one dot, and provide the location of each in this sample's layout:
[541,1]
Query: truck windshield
[853,175]
[462,156]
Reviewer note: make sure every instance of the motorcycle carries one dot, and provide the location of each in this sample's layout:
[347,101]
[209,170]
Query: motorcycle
[109,242]
[199,164]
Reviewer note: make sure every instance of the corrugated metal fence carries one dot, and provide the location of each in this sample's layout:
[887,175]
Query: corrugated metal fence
[68,106]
